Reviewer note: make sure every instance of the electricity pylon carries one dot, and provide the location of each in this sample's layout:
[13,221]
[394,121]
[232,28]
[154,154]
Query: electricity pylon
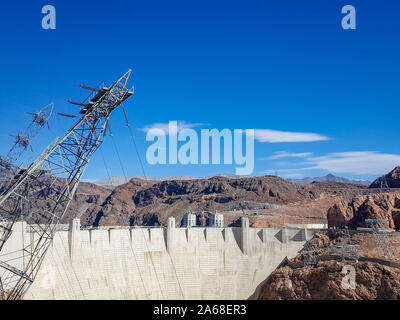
[310,259]
[23,140]
[345,249]
[40,195]
[382,241]
[384,184]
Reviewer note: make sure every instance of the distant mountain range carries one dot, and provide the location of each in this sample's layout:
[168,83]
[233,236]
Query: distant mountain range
[116,181]
[330,177]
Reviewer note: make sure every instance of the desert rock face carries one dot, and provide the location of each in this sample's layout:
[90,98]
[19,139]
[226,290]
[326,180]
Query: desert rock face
[88,199]
[119,206]
[146,202]
[373,281]
[376,276]
[142,202]
[374,206]
[392,180]
[340,214]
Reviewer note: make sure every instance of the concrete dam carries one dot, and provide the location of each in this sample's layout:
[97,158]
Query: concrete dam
[156,263]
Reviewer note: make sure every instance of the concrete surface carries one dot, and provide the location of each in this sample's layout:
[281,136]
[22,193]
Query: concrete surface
[157,263]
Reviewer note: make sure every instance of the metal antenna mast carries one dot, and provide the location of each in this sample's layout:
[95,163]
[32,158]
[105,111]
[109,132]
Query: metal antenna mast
[41,194]
[22,141]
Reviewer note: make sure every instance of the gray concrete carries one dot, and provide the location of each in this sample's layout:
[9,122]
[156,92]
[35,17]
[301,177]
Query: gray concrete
[158,263]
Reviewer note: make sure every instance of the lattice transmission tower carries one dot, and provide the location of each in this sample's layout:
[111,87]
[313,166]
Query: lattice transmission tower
[382,241]
[8,164]
[384,184]
[40,195]
[310,258]
[346,250]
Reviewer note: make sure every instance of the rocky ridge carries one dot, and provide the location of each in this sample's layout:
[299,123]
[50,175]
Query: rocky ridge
[376,278]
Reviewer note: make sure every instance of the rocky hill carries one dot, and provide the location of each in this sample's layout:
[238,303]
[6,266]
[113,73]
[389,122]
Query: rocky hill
[88,198]
[143,202]
[376,277]
[375,282]
[353,213]
[390,180]
[331,177]
[151,203]
[116,181]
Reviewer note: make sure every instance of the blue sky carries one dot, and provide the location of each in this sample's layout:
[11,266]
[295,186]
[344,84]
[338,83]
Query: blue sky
[283,66]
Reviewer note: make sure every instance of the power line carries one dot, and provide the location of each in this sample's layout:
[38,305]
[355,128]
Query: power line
[144,174]
[134,143]
[105,166]
[119,157]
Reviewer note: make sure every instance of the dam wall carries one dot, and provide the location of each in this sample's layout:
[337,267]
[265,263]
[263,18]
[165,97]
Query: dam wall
[158,263]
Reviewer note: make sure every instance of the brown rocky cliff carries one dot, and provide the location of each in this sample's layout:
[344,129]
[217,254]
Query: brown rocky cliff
[373,206]
[375,276]
[153,203]
[119,206]
[373,282]
[141,202]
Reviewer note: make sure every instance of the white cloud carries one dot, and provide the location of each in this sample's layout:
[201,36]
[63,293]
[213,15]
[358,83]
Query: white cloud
[284,154]
[360,162]
[275,136]
[165,126]
[355,162]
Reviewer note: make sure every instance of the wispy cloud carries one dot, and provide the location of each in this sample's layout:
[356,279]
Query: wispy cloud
[165,126]
[284,154]
[355,162]
[275,136]
[360,162]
